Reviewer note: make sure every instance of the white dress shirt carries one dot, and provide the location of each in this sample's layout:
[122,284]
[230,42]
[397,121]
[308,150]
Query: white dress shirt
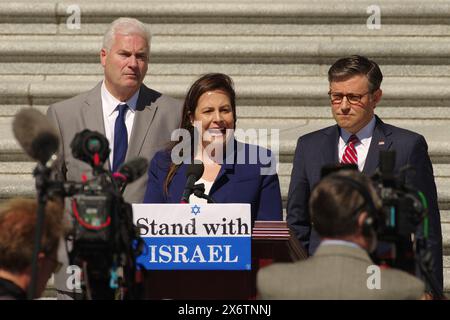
[362,147]
[110,113]
[336,242]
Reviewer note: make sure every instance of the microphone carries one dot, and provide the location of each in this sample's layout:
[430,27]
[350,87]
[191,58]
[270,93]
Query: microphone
[199,192]
[193,173]
[35,134]
[39,139]
[130,171]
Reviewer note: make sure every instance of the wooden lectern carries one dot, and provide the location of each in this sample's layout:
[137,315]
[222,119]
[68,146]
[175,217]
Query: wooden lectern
[272,241]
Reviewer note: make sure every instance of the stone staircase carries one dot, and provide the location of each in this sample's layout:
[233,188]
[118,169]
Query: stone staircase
[278,53]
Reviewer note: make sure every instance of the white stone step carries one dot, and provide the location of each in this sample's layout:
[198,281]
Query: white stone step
[446,239]
[445,218]
[234,49]
[16,179]
[195,69]
[324,112]
[285,28]
[436,132]
[232,11]
[251,90]
[441,173]
[441,170]
[442,185]
[300,112]
[289,130]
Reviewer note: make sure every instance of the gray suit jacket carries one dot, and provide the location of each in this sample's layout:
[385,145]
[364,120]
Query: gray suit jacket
[156,117]
[335,272]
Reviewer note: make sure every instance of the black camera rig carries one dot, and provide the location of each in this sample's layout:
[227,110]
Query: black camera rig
[103,239]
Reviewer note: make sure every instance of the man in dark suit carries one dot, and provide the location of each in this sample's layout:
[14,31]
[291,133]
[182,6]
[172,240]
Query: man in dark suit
[358,138]
[136,120]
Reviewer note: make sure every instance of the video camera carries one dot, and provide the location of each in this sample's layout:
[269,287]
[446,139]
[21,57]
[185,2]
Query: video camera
[404,223]
[403,209]
[105,241]
[401,223]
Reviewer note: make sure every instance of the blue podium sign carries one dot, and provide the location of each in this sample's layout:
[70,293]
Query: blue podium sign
[194,236]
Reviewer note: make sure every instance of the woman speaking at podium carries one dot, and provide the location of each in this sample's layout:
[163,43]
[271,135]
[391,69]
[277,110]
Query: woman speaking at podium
[232,171]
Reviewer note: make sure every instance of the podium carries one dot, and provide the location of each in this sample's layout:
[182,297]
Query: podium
[272,241]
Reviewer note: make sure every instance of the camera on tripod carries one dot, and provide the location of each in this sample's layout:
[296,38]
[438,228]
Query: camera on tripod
[104,240]
[403,209]
[404,223]
[401,224]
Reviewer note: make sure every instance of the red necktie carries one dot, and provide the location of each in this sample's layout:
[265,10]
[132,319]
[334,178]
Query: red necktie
[350,155]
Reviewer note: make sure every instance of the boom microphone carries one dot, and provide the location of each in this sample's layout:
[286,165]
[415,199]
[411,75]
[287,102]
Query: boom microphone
[193,173]
[35,134]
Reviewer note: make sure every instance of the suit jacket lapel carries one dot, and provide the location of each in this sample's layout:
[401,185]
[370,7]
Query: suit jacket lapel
[228,166]
[380,141]
[92,113]
[145,112]
[330,154]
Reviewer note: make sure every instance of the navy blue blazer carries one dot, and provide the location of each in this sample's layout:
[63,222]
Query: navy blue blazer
[319,148]
[235,183]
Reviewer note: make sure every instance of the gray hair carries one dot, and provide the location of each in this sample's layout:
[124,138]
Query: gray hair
[125,26]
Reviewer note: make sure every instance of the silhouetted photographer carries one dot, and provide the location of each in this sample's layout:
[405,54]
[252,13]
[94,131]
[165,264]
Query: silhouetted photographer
[345,211]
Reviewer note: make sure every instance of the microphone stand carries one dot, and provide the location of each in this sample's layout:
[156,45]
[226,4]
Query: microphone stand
[199,192]
[42,175]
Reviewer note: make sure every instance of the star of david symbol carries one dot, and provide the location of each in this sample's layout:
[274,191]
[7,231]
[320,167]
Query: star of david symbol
[195,210]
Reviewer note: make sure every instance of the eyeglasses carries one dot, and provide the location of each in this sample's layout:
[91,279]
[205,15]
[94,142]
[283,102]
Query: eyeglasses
[337,98]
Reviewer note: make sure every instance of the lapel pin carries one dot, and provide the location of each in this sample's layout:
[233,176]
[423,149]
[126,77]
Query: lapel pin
[381,143]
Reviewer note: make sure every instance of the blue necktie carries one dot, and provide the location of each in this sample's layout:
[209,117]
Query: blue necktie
[120,138]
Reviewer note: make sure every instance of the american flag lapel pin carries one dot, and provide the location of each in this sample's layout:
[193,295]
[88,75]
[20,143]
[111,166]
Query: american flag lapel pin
[381,143]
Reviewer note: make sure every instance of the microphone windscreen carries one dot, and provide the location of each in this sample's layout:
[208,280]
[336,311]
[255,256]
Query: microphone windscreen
[35,134]
[196,170]
[134,169]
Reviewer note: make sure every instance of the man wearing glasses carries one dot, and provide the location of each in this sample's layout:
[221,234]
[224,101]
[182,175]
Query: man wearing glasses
[357,139]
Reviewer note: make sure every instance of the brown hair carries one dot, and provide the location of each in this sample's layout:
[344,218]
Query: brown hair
[207,82]
[345,68]
[17,230]
[335,204]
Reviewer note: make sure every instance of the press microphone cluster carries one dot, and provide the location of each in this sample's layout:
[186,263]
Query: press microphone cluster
[39,139]
[193,173]
[103,234]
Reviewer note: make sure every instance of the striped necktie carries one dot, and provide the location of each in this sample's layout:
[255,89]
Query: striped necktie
[350,155]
